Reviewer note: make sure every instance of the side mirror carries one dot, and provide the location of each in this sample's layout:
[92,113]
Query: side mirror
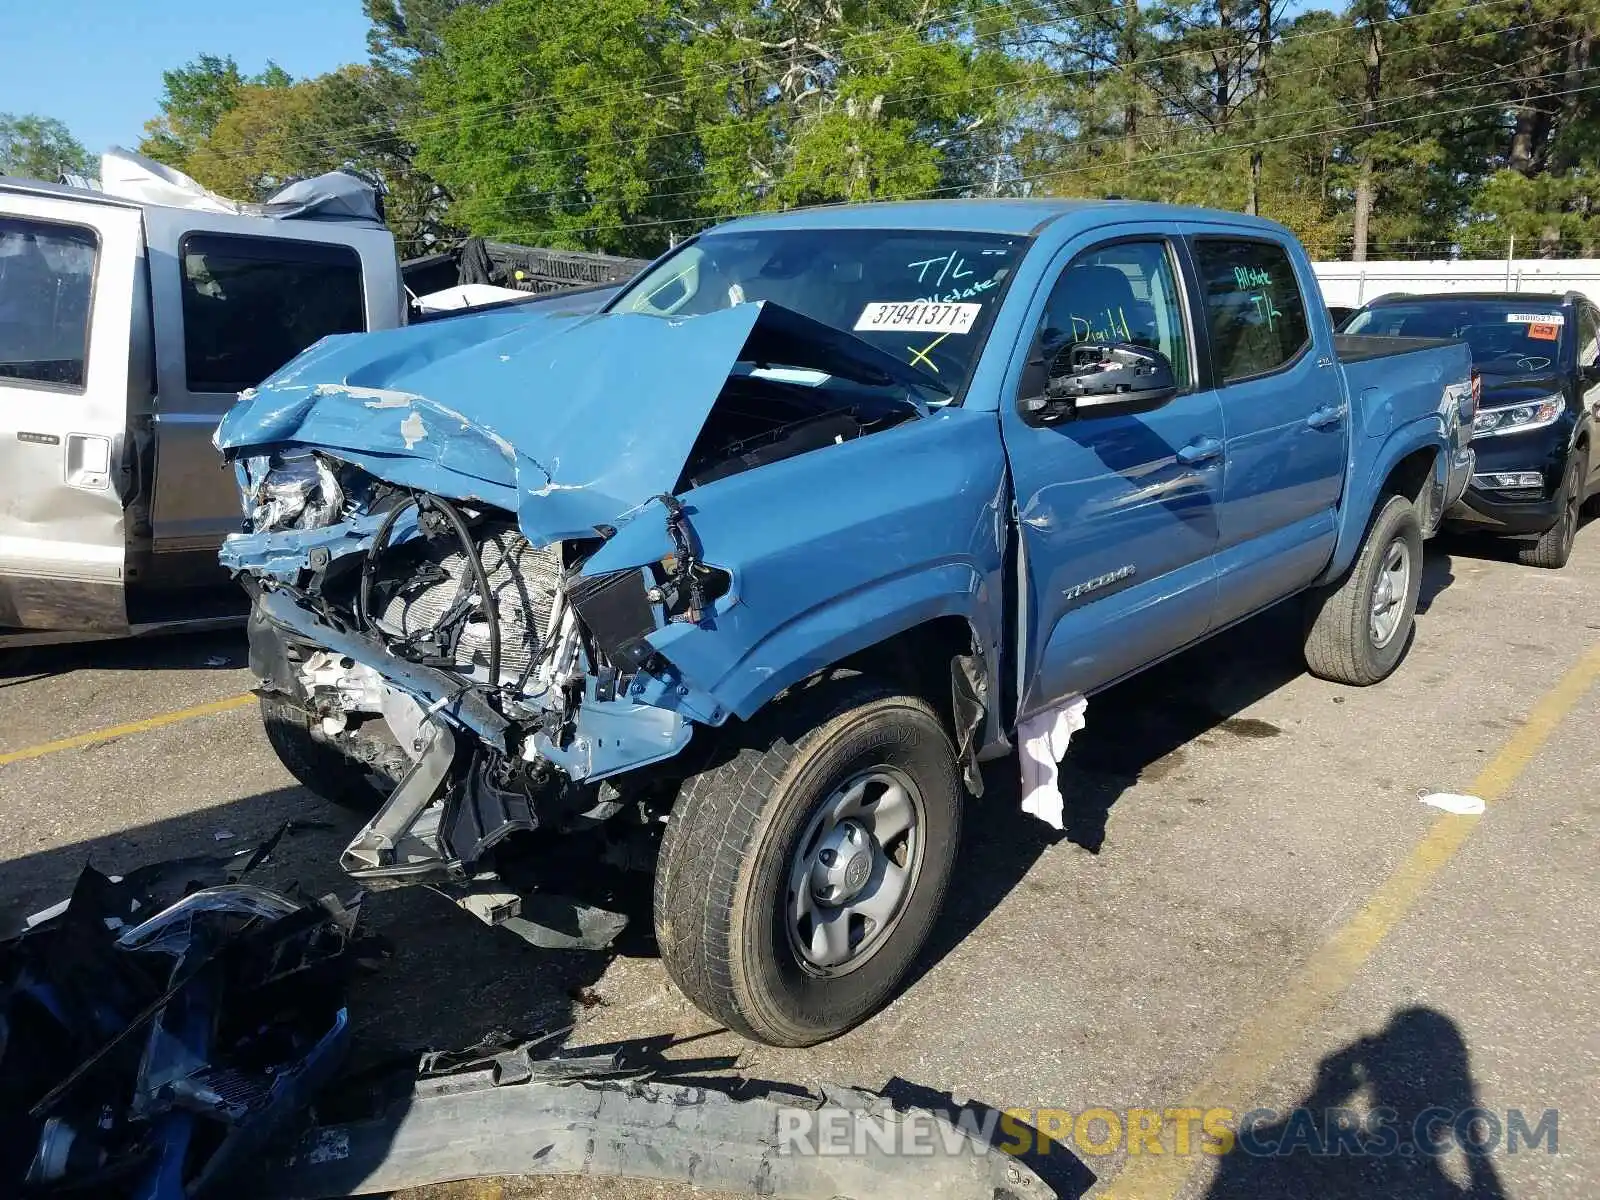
[1102,379]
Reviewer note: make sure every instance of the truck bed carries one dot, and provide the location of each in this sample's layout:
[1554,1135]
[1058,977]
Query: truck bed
[1360,347]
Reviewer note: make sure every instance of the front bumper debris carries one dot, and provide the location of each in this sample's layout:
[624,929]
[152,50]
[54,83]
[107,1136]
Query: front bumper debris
[155,1038]
[511,1113]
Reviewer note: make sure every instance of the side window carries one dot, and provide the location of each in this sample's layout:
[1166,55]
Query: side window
[1588,337]
[46,279]
[250,304]
[1125,292]
[1254,309]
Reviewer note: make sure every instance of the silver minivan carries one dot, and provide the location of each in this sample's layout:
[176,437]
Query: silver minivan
[127,328]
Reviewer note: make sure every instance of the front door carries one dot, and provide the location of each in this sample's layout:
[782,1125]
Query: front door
[1117,514]
[1288,423]
[70,284]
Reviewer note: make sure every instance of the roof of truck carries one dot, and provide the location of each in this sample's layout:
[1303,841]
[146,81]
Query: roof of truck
[1020,217]
[38,187]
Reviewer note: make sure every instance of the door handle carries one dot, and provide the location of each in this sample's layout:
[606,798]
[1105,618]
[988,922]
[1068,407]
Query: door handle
[1200,451]
[1330,414]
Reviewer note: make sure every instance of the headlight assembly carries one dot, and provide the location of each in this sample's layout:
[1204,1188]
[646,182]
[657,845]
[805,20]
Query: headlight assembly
[1518,418]
[299,492]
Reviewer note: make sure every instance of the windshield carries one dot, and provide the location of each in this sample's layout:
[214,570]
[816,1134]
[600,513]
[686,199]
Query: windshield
[927,297]
[1507,337]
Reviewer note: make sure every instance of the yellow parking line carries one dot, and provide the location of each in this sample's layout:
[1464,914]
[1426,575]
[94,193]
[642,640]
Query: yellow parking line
[1264,1040]
[116,731]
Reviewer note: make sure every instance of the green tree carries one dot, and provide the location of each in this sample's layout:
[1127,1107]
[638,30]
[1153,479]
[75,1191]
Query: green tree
[38,147]
[194,98]
[272,135]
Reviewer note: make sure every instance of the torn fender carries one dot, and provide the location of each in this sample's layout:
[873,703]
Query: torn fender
[583,418]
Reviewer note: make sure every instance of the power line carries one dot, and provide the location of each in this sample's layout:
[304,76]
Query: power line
[1138,162]
[573,103]
[529,203]
[1000,87]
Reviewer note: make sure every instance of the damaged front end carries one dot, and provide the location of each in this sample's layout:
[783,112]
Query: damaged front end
[444,594]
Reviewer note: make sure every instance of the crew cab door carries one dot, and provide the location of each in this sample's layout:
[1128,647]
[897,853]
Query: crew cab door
[235,299]
[70,289]
[1117,514]
[1286,413]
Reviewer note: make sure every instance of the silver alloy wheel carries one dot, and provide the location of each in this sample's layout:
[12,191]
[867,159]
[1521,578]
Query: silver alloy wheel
[853,870]
[1389,592]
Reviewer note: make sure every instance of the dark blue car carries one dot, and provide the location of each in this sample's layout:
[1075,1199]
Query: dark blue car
[1538,359]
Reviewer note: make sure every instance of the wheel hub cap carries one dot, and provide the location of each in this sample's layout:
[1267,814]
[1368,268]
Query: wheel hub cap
[843,864]
[1389,593]
[853,869]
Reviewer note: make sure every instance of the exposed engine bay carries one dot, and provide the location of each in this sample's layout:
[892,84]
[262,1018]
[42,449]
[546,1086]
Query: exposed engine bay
[488,683]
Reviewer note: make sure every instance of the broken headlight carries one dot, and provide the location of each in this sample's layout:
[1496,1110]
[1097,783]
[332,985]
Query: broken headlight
[298,492]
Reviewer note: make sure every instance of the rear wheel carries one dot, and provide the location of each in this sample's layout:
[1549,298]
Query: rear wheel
[799,878]
[1357,629]
[321,766]
[1554,546]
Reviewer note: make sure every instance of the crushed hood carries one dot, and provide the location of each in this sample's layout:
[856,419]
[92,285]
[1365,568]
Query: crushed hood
[571,420]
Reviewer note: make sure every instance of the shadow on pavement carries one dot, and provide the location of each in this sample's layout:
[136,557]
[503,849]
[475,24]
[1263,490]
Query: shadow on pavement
[1417,1069]
[218,650]
[1138,730]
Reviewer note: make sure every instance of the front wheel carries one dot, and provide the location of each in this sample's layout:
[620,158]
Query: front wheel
[799,878]
[1554,545]
[322,767]
[1357,629]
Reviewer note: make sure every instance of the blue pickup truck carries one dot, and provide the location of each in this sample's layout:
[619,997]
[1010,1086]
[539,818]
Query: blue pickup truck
[759,563]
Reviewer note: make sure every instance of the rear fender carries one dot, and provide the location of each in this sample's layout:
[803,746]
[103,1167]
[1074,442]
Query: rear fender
[1372,463]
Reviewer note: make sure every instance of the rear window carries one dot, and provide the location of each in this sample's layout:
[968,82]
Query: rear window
[46,281]
[1507,336]
[1254,309]
[251,304]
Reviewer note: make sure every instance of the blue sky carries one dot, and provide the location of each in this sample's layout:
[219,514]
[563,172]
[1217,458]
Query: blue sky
[96,64]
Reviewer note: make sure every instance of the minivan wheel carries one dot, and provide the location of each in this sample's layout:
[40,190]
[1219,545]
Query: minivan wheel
[800,876]
[1554,546]
[1357,629]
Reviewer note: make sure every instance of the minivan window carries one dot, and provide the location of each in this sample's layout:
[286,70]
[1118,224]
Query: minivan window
[250,304]
[46,281]
[1254,308]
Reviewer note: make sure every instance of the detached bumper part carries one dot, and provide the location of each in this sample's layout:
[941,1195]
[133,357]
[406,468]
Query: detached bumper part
[494,1122]
[399,845]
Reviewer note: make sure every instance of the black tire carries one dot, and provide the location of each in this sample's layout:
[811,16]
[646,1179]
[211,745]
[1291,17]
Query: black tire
[721,887]
[1340,644]
[321,767]
[1554,546]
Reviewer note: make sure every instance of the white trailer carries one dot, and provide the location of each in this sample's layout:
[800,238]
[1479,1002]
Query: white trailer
[1352,284]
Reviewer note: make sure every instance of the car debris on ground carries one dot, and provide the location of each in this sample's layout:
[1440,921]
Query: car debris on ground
[162,1030]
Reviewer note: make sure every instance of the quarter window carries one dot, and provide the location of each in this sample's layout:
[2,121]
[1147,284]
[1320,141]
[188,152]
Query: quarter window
[251,304]
[46,281]
[1254,308]
[1125,292]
